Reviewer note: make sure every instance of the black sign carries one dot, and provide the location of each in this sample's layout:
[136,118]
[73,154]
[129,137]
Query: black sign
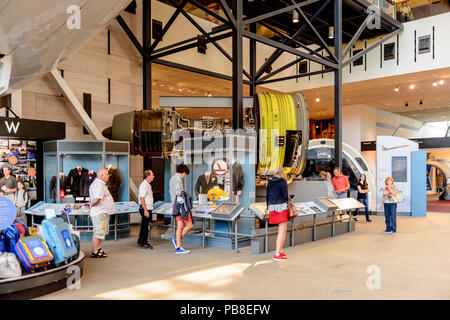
[32,129]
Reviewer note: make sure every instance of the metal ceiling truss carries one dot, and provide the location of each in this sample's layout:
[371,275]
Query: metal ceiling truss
[237,28]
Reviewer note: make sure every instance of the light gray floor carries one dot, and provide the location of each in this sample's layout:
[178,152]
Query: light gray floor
[413,264]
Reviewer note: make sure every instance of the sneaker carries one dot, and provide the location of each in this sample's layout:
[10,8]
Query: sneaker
[145,246]
[391,232]
[386,231]
[181,250]
[279,257]
[368,220]
[282,254]
[174,242]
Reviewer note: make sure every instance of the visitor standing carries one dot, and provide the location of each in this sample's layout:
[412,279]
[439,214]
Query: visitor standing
[389,204]
[277,205]
[340,183]
[176,197]
[101,207]
[363,190]
[145,208]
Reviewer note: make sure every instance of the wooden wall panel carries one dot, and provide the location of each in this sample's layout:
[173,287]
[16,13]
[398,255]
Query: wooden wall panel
[126,94]
[121,46]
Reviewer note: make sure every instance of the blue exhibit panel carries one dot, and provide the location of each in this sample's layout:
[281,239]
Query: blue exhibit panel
[418,184]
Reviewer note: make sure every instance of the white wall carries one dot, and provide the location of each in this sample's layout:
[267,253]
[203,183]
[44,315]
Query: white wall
[404,65]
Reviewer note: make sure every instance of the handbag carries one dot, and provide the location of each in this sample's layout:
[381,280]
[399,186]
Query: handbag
[292,210]
[399,197]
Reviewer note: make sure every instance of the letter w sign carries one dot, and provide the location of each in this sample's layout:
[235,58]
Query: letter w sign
[12,126]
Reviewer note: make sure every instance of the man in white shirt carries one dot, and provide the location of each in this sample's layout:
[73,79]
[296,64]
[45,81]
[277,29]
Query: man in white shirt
[145,208]
[101,207]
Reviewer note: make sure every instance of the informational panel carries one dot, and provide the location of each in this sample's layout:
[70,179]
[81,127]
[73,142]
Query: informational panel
[7,212]
[394,160]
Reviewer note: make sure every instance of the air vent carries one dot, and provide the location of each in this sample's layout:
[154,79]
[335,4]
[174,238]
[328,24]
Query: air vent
[389,51]
[359,61]
[157,28]
[303,67]
[424,44]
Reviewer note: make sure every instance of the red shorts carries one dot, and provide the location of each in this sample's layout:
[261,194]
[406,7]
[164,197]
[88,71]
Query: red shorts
[188,220]
[278,217]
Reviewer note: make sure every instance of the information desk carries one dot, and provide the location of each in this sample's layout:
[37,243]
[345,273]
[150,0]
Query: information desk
[308,212]
[80,210]
[207,212]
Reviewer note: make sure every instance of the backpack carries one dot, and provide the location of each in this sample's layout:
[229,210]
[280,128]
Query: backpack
[23,228]
[12,235]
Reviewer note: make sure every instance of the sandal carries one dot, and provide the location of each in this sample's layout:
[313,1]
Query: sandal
[102,252]
[99,254]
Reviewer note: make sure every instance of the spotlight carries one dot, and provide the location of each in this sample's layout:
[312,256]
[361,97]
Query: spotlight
[435,84]
[397,88]
[441,82]
[209,94]
[406,104]
[295,17]
[330,32]
[317,100]
[412,86]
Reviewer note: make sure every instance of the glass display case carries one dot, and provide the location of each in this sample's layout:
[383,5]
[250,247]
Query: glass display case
[70,166]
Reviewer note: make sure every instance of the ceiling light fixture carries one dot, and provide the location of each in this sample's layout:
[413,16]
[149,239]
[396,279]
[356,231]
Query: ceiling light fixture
[330,32]
[441,82]
[435,84]
[397,88]
[295,17]
[317,100]
[412,86]
[209,94]
[406,104]
[421,102]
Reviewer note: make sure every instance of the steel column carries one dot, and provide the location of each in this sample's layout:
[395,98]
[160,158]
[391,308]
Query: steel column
[253,61]
[146,64]
[338,84]
[238,69]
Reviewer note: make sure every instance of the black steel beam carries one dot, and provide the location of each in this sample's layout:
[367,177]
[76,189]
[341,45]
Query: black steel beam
[226,9]
[277,12]
[360,30]
[168,24]
[292,40]
[199,28]
[252,61]
[296,76]
[196,70]
[338,84]
[290,64]
[324,44]
[289,49]
[238,114]
[208,11]
[177,44]
[130,35]
[146,44]
[190,46]
[376,44]
[277,53]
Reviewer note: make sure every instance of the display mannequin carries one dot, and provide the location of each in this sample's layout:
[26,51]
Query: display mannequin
[114,182]
[237,179]
[205,182]
[86,181]
[63,182]
[74,178]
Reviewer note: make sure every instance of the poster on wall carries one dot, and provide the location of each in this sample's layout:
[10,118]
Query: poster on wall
[20,157]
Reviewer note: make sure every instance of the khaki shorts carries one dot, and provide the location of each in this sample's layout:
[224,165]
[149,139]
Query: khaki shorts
[101,226]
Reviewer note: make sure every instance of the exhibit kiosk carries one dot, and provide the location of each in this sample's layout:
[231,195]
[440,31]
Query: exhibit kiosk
[66,164]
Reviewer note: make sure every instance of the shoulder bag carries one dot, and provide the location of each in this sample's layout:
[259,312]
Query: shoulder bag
[291,209]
